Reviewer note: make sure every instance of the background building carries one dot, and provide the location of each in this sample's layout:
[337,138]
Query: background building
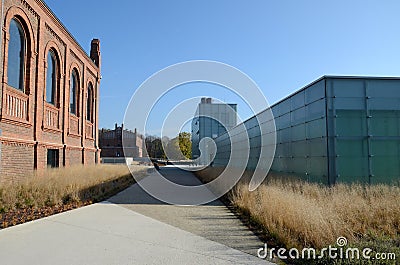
[211,120]
[49,92]
[111,144]
[337,129]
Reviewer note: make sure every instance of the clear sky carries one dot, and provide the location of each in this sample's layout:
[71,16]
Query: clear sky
[282,45]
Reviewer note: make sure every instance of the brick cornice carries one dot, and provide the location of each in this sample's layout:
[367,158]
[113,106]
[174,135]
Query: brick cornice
[90,149]
[52,32]
[51,145]
[80,148]
[29,8]
[64,30]
[76,57]
[8,140]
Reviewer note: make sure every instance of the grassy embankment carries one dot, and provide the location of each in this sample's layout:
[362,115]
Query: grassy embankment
[300,214]
[57,190]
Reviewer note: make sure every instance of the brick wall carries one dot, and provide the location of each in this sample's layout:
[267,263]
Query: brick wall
[27,132]
[89,157]
[74,157]
[16,161]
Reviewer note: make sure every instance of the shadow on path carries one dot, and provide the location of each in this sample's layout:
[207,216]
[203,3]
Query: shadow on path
[213,221]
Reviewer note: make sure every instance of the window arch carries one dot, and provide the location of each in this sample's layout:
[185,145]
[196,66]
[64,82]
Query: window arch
[51,78]
[16,55]
[74,93]
[89,105]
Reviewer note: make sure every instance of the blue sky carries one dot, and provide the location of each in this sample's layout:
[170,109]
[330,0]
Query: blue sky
[282,45]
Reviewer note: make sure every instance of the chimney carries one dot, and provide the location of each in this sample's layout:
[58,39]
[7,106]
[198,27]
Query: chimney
[95,52]
[116,126]
[135,131]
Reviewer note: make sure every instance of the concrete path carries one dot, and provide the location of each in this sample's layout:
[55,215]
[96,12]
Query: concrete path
[133,228]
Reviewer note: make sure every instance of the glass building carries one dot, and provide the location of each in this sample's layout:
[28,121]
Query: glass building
[211,120]
[336,129]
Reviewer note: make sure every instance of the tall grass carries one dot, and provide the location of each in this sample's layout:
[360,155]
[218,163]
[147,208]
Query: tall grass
[55,187]
[299,214]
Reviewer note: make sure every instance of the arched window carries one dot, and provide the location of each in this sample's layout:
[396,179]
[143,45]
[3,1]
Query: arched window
[73,98]
[51,78]
[16,55]
[89,105]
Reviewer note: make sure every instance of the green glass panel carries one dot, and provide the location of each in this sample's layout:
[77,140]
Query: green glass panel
[277,164]
[315,92]
[287,149]
[284,121]
[347,103]
[299,165]
[298,100]
[279,150]
[276,111]
[299,132]
[285,106]
[316,128]
[385,147]
[279,137]
[299,149]
[317,147]
[385,123]
[351,123]
[353,179]
[315,110]
[385,167]
[383,88]
[286,135]
[298,116]
[348,88]
[317,167]
[352,148]
[286,165]
[384,103]
[352,169]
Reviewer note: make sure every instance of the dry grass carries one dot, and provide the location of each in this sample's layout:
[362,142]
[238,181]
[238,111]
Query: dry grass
[56,187]
[299,214]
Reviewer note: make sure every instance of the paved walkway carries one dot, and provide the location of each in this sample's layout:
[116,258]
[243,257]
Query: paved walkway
[134,228]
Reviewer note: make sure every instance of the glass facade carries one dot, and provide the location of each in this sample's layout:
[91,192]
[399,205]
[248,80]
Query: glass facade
[337,129]
[364,129]
[211,120]
[301,146]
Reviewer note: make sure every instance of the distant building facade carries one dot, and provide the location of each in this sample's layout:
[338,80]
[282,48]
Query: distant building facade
[49,92]
[111,142]
[211,120]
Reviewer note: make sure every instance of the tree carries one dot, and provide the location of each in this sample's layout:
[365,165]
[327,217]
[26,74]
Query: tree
[178,148]
[154,147]
[185,144]
[158,148]
[172,150]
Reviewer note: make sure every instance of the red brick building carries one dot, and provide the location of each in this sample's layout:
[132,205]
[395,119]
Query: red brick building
[49,92]
[111,144]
